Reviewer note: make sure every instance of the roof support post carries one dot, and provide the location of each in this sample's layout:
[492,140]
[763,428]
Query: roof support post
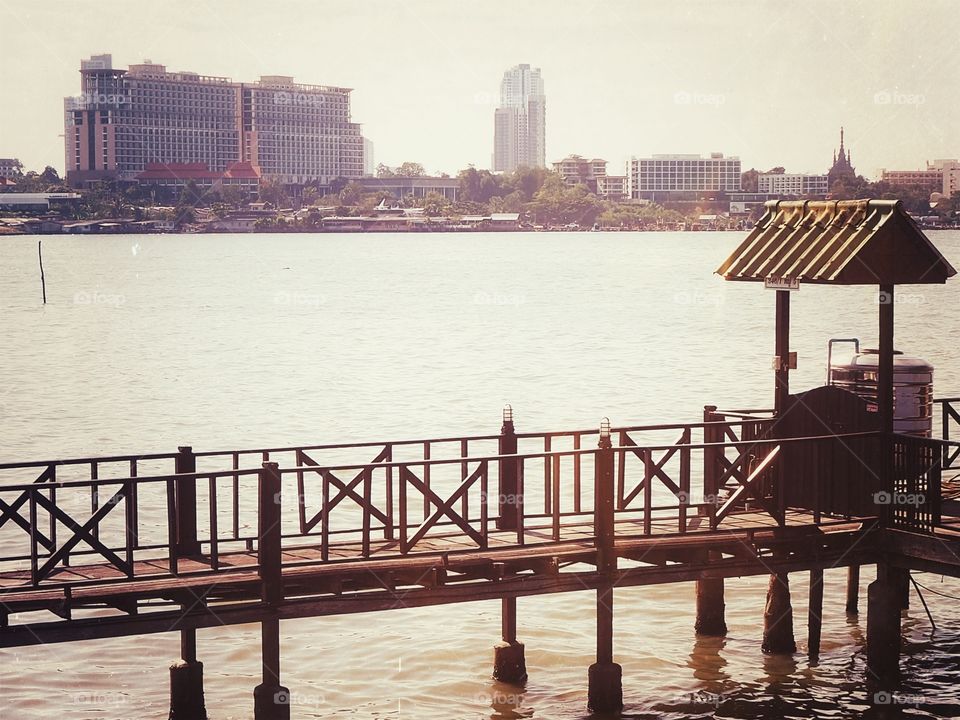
[782,352]
[885,388]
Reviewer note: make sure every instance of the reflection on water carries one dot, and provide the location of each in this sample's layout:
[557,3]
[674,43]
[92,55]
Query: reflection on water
[226,341]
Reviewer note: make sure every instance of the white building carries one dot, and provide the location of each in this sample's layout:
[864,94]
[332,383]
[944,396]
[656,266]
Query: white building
[519,134]
[683,175]
[9,167]
[951,175]
[792,184]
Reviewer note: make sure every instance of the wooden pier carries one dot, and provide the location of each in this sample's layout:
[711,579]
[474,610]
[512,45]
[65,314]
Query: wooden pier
[110,546]
[101,547]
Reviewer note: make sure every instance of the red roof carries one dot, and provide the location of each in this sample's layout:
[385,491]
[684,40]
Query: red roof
[242,170]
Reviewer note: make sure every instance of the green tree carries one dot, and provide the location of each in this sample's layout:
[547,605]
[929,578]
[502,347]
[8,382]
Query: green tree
[410,169]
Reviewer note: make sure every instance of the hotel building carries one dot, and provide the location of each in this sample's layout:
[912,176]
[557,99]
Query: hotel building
[792,184]
[125,120]
[683,176]
[519,134]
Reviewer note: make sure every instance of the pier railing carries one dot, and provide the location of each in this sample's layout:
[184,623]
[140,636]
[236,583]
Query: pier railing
[949,420]
[209,514]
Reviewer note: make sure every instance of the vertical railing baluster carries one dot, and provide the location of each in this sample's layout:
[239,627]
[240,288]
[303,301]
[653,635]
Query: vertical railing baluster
[647,491]
[547,447]
[556,497]
[576,474]
[130,520]
[134,500]
[684,479]
[301,494]
[402,490]
[622,472]
[34,580]
[521,483]
[236,496]
[426,480]
[172,525]
[52,494]
[484,511]
[325,517]
[367,494]
[214,525]
[95,496]
[464,474]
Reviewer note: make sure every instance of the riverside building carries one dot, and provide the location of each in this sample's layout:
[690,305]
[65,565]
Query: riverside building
[664,177]
[125,120]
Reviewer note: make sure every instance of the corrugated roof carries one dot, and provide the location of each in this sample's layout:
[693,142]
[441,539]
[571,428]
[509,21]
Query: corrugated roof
[846,242]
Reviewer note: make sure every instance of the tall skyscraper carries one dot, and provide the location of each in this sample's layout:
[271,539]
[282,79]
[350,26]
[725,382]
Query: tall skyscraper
[125,120]
[519,132]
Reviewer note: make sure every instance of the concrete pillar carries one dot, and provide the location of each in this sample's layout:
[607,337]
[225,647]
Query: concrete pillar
[711,609]
[815,613]
[271,701]
[186,681]
[186,691]
[883,633]
[778,617]
[605,677]
[509,664]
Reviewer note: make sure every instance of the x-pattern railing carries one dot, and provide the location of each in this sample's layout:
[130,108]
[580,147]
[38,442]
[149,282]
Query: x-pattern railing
[416,504]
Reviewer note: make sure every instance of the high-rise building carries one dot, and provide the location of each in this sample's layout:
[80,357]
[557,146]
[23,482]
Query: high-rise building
[519,133]
[682,176]
[125,120]
[9,167]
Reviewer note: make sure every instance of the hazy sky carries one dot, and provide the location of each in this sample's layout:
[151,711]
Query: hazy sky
[768,81]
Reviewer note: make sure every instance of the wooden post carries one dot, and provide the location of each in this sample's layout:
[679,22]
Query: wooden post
[885,393]
[186,503]
[883,632]
[271,701]
[603,505]
[711,608]
[509,501]
[605,677]
[186,681]
[269,549]
[815,613]
[778,617]
[509,664]
[782,352]
[853,589]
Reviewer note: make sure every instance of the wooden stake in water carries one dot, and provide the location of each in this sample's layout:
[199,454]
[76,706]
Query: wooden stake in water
[43,282]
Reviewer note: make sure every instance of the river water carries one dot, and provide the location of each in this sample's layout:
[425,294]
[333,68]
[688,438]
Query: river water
[149,342]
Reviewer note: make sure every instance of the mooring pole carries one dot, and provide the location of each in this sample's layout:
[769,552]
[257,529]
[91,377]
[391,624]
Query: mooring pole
[271,700]
[509,664]
[605,677]
[509,501]
[815,613]
[43,281]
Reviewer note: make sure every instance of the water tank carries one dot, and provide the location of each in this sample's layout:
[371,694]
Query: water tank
[912,385]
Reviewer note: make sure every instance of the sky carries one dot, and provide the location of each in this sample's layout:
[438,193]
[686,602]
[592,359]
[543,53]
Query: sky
[770,82]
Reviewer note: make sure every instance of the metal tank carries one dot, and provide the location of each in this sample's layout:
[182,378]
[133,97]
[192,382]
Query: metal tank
[912,384]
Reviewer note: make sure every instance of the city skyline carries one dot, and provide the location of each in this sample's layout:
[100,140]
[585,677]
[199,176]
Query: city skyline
[744,80]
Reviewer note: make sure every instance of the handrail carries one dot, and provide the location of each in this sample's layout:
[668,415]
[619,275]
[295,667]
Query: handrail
[758,442]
